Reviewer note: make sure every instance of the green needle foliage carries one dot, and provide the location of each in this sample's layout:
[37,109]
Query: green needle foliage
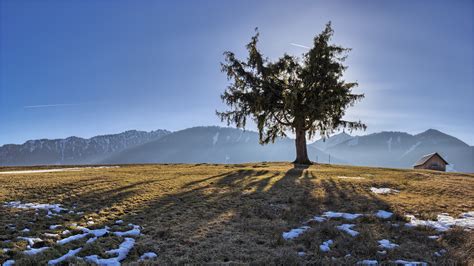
[300,95]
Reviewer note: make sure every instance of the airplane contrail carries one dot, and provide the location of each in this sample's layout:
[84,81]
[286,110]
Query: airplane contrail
[300,45]
[50,105]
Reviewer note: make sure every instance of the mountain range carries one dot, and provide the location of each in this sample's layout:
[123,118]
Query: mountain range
[230,145]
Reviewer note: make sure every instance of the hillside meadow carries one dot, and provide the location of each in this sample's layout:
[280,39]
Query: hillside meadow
[232,214]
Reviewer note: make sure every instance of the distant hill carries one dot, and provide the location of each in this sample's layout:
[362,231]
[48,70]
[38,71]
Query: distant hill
[230,145]
[399,149]
[212,145]
[324,144]
[74,150]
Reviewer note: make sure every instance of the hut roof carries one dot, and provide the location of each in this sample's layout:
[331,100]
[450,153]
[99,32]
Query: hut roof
[425,158]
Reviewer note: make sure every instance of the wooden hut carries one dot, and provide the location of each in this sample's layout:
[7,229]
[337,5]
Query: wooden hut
[432,161]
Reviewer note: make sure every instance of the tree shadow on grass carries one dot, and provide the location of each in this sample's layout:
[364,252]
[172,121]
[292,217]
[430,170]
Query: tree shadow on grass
[239,215]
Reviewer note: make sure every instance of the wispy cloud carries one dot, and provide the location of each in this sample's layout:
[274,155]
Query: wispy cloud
[50,105]
[300,45]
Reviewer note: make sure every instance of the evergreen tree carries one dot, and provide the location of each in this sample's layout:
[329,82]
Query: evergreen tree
[300,95]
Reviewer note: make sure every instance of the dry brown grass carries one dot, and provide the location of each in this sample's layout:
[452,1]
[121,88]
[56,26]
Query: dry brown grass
[236,213]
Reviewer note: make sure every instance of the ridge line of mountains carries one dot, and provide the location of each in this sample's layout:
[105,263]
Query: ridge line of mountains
[230,145]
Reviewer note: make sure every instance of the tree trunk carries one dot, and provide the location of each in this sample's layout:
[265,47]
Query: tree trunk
[301,151]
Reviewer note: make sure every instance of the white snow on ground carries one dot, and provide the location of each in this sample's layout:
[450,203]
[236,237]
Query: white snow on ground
[383,214]
[34,251]
[383,190]
[293,233]
[26,230]
[148,256]
[31,240]
[66,232]
[385,243]
[8,263]
[318,219]
[91,240]
[55,226]
[368,262]
[119,222]
[134,232]
[433,237]
[55,170]
[51,235]
[86,231]
[41,171]
[325,246]
[444,221]
[71,238]
[348,229]
[440,253]
[351,177]
[69,254]
[410,263]
[344,215]
[121,252]
[36,206]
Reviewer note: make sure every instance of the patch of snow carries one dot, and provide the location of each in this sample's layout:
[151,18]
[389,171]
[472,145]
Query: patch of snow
[433,237]
[66,232]
[318,219]
[368,262]
[51,235]
[119,222]
[383,190]
[26,230]
[344,215]
[8,263]
[31,240]
[133,232]
[148,256]
[56,170]
[444,222]
[389,144]
[348,229]
[55,226]
[351,177]
[385,243]
[383,214]
[121,252]
[410,263]
[71,238]
[412,148]
[294,233]
[34,251]
[69,254]
[325,246]
[301,253]
[36,206]
[90,222]
[215,138]
[440,253]
[40,171]
[91,240]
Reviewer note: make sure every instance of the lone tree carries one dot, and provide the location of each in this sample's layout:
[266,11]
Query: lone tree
[299,95]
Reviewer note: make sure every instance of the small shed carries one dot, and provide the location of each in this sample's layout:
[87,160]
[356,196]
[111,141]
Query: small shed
[432,161]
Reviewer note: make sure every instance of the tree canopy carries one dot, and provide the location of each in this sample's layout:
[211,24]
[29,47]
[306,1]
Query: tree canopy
[305,96]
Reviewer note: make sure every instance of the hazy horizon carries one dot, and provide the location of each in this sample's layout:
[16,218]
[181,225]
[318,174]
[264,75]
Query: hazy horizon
[100,67]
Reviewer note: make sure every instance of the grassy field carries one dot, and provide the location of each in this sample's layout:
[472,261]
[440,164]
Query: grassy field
[237,213]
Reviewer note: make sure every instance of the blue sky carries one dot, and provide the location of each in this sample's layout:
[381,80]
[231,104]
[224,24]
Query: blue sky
[94,67]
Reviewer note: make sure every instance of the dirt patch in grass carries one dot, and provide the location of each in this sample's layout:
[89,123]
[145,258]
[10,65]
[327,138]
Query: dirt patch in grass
[237,213]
